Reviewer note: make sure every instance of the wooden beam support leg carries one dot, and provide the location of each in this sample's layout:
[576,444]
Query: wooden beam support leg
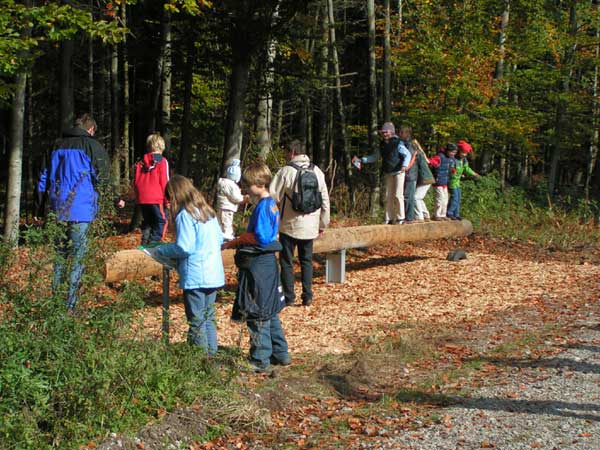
[335,267]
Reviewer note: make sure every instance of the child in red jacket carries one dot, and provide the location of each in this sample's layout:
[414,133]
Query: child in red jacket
[150,180]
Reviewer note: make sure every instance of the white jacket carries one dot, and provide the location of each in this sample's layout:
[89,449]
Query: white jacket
[229,195]
[293,223]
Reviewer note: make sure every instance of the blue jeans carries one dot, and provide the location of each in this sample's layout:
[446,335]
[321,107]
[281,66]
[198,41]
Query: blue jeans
[267,340]
[200,312]
[70,252]
[454,203]
[409,199]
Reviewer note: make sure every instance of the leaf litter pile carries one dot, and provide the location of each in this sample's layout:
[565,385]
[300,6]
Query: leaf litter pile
[411,283]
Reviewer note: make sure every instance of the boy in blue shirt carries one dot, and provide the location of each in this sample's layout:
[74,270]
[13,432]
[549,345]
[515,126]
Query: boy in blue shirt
[259,297]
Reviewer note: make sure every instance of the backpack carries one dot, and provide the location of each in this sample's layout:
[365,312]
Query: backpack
[306,195]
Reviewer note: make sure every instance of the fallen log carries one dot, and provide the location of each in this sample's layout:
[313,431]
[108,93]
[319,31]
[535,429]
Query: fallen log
[135,264]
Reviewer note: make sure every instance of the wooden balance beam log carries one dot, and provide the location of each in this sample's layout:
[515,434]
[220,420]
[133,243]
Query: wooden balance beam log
[135,264]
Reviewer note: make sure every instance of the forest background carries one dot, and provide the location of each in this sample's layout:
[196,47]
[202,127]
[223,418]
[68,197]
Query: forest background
[239,78]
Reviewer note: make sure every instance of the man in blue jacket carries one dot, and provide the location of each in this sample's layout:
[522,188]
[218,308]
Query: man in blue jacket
[77,171]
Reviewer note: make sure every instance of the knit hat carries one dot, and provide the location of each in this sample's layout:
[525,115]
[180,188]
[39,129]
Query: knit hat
[234,172]
[464,146]
[388,126]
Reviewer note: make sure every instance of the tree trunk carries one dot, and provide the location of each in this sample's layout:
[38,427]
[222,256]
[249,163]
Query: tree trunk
[561,109]
[595,138]
[236,109]
[67,101]
[387,65]
[115,134]
[15,162]
[167,71]
[278,124]
[186,120]
[375,193]
[322,147]
[126,99]
[265,105]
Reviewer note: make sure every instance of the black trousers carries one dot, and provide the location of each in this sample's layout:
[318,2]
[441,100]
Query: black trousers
[286,260]
[154,224]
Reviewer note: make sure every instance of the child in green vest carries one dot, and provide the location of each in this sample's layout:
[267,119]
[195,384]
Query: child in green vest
[461,167]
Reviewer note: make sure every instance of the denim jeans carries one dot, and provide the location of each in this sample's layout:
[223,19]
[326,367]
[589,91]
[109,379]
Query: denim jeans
[454,203]
[409,199]
[70,252]
[154,224]
[267,340]
[200,312]
[286,260]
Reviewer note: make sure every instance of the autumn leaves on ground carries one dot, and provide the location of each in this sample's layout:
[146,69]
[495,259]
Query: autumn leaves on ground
[383,350]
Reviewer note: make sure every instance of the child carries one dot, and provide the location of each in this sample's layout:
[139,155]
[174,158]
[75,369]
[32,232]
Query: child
[259,297]
[150,180]
[424,181]
[461,166]
[197,251]
[443,163]
[229,196]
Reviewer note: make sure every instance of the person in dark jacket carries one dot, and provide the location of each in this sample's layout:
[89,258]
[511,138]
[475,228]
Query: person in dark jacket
[149,182]
[395,158]
[259,297]
[77,171]
[443,165]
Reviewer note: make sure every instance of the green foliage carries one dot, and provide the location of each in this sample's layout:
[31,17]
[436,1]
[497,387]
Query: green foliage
[515,213]
[67,380]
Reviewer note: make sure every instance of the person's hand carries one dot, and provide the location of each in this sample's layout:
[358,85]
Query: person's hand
[228,244]
[321,232]
[121,204]
[403,170]
[246,199]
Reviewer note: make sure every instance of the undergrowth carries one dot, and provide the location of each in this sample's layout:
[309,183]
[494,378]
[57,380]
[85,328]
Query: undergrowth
[66,381]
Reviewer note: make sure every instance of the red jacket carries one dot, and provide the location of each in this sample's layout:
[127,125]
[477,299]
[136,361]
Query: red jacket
[151,178]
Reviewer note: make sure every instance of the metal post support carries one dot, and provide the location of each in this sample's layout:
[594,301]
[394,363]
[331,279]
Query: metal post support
[165,304]
[335,267]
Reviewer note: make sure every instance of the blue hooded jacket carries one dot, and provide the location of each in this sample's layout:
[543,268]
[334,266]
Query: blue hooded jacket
[76,171]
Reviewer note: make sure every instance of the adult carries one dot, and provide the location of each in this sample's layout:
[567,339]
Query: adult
[396,158]
[77,171]
[297,228]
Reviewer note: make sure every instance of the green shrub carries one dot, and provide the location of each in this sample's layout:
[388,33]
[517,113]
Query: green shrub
[67,380]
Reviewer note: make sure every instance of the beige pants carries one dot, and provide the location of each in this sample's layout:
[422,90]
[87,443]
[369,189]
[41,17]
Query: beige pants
[440,198]
[225,218]
[394,196]
[421,211]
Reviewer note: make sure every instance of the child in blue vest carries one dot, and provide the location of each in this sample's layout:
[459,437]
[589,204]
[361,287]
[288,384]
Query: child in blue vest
[197,250]
[259,297]
[442,165]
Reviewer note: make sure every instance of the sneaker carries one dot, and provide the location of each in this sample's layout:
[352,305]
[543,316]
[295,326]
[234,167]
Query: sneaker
[457,218]
[426,219]
[408,222]
[290,302]
[258,368]
[438,219]
[307,302]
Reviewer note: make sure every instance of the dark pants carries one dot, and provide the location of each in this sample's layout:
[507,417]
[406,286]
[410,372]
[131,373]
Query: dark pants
[267,341]
[154,224]
[409,199]
[286,260]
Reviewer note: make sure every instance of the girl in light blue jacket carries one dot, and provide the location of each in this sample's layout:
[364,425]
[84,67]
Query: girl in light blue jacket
[197,251]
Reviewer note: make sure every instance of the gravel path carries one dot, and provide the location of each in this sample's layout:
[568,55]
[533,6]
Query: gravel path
[546,403]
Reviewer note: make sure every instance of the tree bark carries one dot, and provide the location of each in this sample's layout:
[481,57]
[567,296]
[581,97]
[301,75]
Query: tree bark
[265,105]
[15,162]
[375,192]
[167,71]
[186,120]
[115,134]
[387,65]
[321,149]
[67,101]
[595,138]
[126,99]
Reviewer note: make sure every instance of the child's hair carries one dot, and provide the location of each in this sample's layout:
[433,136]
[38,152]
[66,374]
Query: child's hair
[258,174]
[406,129]
[155,143]
[183,195]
